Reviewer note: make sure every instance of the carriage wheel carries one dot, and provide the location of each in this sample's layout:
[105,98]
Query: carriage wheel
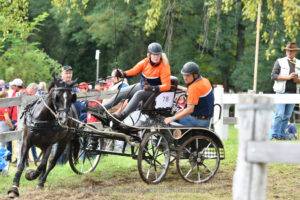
[86,159]
[153,158]
[198,159]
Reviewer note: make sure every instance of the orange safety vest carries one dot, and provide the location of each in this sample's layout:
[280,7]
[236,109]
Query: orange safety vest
[156,76]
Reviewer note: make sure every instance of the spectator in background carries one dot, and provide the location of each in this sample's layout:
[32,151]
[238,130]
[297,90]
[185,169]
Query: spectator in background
[32,90]
[42,88]
[80,105]
[6,125]
[100,86]
[66,76]
[118,84]
[83,87]
[116,75]
[16,89]
[2,88]
[286,77]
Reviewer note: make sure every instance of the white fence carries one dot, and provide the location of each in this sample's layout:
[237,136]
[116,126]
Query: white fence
[226,100]
[22,101]
[254,119]
[221,125]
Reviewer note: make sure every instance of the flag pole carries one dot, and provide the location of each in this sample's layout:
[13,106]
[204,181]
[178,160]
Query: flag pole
[257,46]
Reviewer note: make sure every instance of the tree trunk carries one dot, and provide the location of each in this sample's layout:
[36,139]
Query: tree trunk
[240,31]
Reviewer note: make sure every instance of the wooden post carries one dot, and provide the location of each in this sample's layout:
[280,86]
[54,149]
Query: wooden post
[218,123]
[20,109]
[257,46]
[255,115]
[225,115]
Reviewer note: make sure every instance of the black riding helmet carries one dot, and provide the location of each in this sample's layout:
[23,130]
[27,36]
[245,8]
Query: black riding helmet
[155,48]
[190,68]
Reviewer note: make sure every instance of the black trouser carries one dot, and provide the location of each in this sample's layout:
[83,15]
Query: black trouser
[134,93]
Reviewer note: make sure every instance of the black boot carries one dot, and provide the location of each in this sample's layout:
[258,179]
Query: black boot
[117,123]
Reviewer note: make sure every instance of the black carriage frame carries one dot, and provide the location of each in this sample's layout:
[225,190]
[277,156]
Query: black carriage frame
[142,140]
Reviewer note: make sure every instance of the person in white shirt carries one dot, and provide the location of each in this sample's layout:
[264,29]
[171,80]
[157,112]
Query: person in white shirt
[285,75]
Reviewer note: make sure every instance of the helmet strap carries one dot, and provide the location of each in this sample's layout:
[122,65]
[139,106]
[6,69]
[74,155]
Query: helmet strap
[195,78]
[154,64]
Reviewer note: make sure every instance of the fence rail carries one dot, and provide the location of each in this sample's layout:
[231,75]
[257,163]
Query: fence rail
[250,177]
[224,99]
[23,100]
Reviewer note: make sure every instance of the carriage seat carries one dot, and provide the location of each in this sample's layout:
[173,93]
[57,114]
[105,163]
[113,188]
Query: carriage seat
[163,101]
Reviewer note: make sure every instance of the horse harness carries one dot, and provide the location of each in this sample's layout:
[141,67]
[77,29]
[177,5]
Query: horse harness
[34,124]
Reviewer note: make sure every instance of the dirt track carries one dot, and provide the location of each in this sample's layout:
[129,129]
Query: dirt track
[130,186]
[127,187]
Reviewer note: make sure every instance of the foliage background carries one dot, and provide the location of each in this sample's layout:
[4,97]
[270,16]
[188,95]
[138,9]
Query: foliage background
[38,35]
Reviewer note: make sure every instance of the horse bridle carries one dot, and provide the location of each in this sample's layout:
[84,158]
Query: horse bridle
[55,114]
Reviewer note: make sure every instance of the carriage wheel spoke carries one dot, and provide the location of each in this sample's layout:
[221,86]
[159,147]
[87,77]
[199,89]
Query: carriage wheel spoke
[163,152]
[161,165]
[193,167]
[202,152]
[157,145]
[82,164]
[146,151]
[90,160]
[148,172]
[198,172]
[187,150]
[205,166]
[75,161]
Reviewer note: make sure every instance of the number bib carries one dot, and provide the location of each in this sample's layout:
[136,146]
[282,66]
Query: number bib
[164,100]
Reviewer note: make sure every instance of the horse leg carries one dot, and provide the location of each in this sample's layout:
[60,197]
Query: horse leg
[33,174]
[14,191]
[60,149]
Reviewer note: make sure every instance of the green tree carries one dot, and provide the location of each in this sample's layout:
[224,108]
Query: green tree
[19,57]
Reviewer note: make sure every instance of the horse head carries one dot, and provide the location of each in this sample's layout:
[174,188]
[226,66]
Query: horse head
[62,98]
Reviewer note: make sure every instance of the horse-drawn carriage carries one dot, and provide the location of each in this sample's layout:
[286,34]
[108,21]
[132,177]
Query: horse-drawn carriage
[196,151]
[51,119]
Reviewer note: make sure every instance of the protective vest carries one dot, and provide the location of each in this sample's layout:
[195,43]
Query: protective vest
[279,85]
[156,76]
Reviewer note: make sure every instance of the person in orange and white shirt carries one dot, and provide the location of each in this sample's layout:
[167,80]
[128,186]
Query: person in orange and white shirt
[155,77]
[200,99]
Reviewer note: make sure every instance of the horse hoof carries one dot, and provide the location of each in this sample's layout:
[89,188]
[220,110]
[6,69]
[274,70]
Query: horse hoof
[30,175]
[40,187]
[13,193]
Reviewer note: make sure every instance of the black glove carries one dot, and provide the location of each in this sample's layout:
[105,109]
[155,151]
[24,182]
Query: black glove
[151,88]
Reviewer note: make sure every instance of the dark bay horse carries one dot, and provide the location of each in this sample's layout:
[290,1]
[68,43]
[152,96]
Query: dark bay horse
[46,122]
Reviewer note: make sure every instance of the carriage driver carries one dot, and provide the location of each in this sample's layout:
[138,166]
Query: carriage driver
[155,77]
[200,99]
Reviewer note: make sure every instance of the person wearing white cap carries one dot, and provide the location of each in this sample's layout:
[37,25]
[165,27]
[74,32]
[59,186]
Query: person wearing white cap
[17,82]
[17,87]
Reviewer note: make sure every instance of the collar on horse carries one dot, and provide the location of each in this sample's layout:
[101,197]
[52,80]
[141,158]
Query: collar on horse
[41,124]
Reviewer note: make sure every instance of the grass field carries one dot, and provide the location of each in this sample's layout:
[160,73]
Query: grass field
[117,178]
